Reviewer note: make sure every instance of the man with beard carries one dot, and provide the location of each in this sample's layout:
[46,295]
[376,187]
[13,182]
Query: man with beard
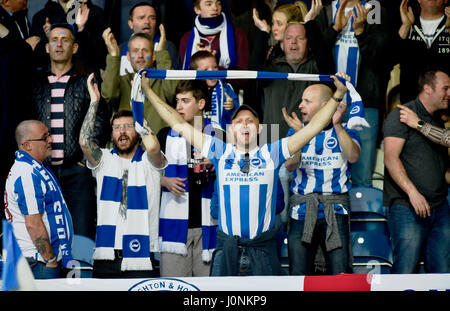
[128,194]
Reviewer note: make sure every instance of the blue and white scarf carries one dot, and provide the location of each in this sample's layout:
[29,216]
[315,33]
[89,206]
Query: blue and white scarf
[209,27]
[346,49]
[136,238]
[219,116]
[356,116]
[174,212]
[58,215]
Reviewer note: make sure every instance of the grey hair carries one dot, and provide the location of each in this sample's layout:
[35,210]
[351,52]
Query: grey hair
[23,130]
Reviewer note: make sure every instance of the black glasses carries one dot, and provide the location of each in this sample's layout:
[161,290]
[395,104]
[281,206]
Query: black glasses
[245,163]
[44,138]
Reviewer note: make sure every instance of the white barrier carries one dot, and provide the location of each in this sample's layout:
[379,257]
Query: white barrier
[342,282]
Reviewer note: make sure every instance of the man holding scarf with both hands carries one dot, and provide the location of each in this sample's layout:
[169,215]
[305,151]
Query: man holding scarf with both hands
[246,219]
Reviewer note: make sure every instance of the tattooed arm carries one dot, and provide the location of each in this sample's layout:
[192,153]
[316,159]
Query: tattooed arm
[91,150]
[39,236]
[435,134]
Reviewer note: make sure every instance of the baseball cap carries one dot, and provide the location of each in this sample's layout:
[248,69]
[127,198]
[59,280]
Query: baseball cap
[245,107]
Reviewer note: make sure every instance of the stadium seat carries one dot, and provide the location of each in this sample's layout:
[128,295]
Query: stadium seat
[367,212]
[83,251]
[372,252]
[282,248]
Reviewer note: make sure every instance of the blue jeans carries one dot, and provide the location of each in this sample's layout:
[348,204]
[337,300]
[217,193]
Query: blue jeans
[245,265]
[40,271]
[363,169]
[302,255]
[412,235]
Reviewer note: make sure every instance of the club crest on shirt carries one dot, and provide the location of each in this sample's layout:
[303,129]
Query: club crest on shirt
[330,142]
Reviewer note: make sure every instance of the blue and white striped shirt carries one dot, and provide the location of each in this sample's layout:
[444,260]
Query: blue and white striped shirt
[247,202]
[28,193]
[322,169]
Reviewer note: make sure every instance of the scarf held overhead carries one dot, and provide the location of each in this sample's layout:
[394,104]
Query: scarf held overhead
[356,115]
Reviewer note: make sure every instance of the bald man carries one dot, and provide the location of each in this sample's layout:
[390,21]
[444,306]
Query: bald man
[35,205]
[319,206]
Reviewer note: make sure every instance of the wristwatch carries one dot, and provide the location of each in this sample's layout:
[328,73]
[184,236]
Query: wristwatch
[420,124]
[338,100]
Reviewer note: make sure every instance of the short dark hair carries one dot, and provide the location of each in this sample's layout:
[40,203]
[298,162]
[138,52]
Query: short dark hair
[196,3]
[63,25]
[121,114]
[199,90]
[199,55]
[428,78]
[143,3]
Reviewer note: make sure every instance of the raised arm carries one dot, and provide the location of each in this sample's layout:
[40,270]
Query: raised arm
[91,150]
[151,143]
[172,117]
[435,134]
[111,81]
[320,119]
[350,149]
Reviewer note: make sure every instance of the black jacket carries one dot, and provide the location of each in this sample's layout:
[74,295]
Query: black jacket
[76,104]
[375,65]
[92,50]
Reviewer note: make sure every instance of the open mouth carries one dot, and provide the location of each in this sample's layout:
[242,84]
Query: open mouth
[123,139]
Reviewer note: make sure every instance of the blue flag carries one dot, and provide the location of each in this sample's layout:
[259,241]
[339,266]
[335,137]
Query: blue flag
[16,273]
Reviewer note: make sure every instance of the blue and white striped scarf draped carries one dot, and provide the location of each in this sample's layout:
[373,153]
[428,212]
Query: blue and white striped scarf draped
[174,212]
[356,116]
[59,218]
[219,116]
[204,26]
[346,50]
[136,237]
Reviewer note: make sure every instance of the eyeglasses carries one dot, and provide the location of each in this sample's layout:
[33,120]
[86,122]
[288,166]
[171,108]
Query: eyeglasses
[126,126]
[44,138]
[245,163]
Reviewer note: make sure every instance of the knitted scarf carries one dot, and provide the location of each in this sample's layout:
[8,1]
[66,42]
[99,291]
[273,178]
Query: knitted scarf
[346,50]
[136,238]
[209,27]
[174,212]
[59,218]
[219,116]
[356,116]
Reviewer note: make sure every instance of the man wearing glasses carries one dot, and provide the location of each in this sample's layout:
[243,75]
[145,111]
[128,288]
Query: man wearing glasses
[35,205]
[246,243]
[128,194]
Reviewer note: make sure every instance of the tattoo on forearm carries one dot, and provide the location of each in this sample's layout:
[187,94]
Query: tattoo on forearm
[436,134]
[42,244]
[87,131]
